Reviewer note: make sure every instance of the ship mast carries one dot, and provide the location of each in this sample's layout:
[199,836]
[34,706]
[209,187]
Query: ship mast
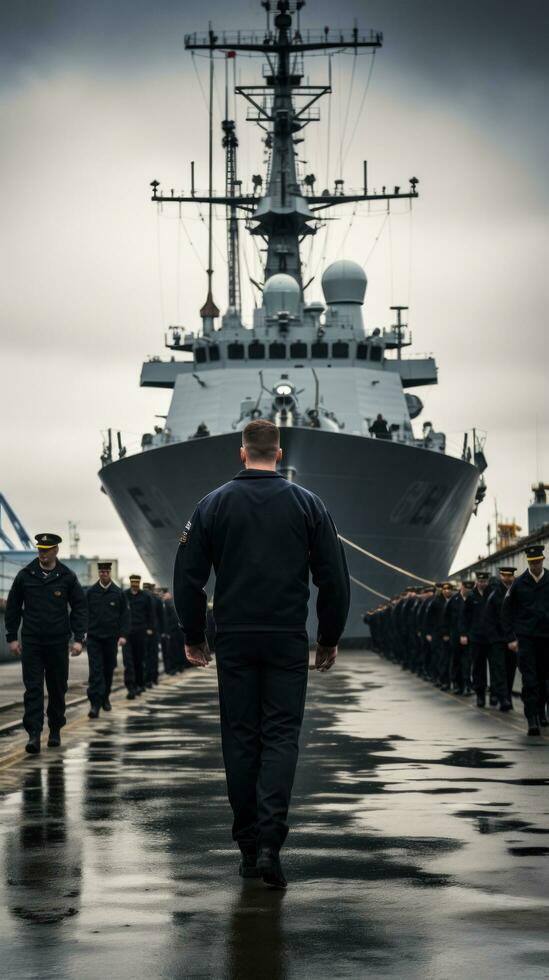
[284,215]
[230,143]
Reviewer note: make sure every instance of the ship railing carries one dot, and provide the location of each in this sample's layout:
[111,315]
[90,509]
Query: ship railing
[328,35]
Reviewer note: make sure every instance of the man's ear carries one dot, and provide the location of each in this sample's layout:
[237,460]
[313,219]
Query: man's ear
[242,454]
[278,455]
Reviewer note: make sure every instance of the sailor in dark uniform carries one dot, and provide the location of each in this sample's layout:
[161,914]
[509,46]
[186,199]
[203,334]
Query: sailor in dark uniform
[142,626]
[460,670]
[262,534]
[503,662]
[474,634]
[525,617]
[108,627]
[153,639]
[48,599]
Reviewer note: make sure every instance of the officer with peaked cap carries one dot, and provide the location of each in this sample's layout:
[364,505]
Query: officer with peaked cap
[108,627]
[142,626]
[47,598]
[503,661]
[460,669]
[473,634]
[525,617]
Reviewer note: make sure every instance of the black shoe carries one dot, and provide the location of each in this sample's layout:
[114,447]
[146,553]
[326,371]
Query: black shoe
[505,706]
[533,725]
[130,696]
[444,687]
[468,692]
[33,744]
[459,692]
[269,867]
[148,686]
[94,711]
[107,706]
[493,701]
[54,740]
[140,690]
[248,866]
[481,701]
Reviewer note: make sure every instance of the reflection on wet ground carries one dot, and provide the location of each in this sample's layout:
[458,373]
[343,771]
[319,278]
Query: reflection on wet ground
[411,852]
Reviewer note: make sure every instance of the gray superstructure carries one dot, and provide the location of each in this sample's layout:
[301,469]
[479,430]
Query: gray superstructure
[312,367]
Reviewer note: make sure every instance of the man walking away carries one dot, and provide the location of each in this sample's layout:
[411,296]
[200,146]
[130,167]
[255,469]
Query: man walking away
[263,535]
[108,627]
[48,599]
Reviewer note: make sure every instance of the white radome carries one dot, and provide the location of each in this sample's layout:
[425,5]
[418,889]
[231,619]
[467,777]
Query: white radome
[344,281]
[281,294]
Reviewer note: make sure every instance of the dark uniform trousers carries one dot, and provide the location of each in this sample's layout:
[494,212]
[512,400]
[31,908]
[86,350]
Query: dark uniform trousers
[503,665]
[102,654]
[49,660]
[151,658]
[533,662]
[480,653]
[134,654]
[262,686]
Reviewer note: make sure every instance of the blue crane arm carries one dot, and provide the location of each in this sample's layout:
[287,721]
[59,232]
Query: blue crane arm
[17,526]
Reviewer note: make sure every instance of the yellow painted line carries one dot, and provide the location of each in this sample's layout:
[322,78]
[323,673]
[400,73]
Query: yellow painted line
[8,761]
[467,706]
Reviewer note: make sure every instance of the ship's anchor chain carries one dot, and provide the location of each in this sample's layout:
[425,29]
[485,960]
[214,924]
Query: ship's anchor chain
[381,561]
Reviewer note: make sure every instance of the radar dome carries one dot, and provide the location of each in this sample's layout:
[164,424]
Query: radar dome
[344,282]
[281,294]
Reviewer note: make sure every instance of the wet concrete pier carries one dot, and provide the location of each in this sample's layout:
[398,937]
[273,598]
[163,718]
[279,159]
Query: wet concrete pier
[419,844]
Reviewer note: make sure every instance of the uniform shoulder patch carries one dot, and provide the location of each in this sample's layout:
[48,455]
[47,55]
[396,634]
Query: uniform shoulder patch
[185,533]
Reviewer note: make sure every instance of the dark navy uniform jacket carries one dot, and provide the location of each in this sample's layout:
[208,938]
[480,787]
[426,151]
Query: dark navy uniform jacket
[263,535]
[525,610]
[141,611]
[494,623]
[452,615]
[43,605]
[108,612]
[473,616]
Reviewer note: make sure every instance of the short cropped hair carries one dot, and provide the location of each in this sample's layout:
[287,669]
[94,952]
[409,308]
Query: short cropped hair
[261,440]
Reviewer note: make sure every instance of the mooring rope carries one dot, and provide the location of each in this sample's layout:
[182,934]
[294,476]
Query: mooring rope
[396,568]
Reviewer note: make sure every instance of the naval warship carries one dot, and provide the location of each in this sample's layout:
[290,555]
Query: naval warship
[340,393]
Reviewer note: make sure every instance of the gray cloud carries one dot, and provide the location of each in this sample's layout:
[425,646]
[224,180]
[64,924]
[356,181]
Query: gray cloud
[99,98]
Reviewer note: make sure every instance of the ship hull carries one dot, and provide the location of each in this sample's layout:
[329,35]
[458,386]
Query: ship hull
[407,506]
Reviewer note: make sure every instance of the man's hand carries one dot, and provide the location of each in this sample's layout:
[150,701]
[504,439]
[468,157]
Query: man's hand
[198,655]
[445,638]
[464,640]
[429,638]
[122,641]
[76,649]
[15,648]
[149,632]
[325,657]
[513,645]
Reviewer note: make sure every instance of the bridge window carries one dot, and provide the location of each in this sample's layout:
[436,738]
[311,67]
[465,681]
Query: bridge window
[235,352]
[277,351]
[319,349]
[362,352]
[200,355]
[376,352]
[340,349]
[214,352]
[299,349]
[256,351]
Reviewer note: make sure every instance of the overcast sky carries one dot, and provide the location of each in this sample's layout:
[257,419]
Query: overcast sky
[97,99]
